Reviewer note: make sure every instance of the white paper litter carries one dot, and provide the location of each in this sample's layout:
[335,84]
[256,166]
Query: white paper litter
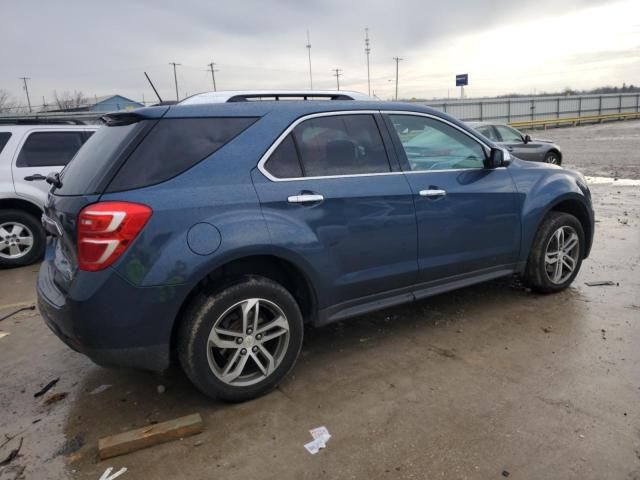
[99,389]
[107,475]
[3,334]
[320,438]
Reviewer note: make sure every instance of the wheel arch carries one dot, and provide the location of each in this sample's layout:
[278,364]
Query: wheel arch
[21,204]
[272,266]
[557,152]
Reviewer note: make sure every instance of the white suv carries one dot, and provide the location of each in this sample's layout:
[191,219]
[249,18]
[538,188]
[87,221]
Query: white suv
[27,154]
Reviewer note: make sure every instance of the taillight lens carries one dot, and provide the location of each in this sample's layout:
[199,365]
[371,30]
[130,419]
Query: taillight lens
[106,229]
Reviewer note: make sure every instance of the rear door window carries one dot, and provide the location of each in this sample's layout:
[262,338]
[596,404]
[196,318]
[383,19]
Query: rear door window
[340,145]
[4,138]
[49,149]
[284,161]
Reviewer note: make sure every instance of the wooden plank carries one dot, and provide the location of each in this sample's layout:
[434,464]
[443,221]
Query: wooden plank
[133,440]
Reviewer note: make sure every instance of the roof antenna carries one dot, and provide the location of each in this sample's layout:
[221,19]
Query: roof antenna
[154,88]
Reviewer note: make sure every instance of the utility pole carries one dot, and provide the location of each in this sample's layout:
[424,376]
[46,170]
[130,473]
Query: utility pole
[26,89]
[175,78]
[213,74]
[309,52]
[367,50]
[337,75]
[398,60]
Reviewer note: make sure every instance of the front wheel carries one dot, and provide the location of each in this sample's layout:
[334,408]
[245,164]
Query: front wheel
[553,158]
[556,253]
[240,342]
[22,239]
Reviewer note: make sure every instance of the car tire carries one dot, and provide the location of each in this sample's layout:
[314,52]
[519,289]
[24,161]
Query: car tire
[206,354]
[18,227]
[555,258]
[552,158]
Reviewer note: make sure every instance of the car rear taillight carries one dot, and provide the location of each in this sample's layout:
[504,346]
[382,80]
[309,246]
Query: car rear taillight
[106,229]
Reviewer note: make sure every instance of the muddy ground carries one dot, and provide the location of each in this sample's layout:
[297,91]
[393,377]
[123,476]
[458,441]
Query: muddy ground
[481,383]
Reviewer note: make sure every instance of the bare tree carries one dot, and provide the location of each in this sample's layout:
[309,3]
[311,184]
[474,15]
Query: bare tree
[7,104]
[67,101]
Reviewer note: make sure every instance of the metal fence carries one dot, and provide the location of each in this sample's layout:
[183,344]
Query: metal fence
[519,109]
[504,110]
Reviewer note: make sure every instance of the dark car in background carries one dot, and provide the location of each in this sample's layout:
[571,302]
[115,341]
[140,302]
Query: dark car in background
[519,144]
[213,234]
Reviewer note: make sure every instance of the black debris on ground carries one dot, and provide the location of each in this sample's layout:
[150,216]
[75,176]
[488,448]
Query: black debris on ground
[46,388]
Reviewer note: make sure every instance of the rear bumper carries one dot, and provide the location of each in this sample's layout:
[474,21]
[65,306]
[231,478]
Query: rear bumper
[109,320]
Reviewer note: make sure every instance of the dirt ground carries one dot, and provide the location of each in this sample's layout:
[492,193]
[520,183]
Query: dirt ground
[486,382]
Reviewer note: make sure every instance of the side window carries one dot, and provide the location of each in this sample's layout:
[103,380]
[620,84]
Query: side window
[433,145]
[489,132]
[48,149]
[284,161]
[340,145]
[508,134]
[4,138]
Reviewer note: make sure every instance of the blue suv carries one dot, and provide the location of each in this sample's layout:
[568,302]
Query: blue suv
[212,233]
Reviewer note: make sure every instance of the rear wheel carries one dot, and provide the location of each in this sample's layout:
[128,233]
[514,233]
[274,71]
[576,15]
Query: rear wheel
[552,158]
[556,254]
[238,343]
[22,239]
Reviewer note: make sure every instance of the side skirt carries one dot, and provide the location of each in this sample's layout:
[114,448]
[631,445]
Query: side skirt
[413,293]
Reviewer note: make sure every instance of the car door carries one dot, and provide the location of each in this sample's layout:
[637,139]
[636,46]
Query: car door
[43,152]
[468,215]
[334,199]
[514,141]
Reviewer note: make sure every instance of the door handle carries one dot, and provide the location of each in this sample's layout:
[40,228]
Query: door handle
[305,198]
[433,193]
[510,149]
[37,176]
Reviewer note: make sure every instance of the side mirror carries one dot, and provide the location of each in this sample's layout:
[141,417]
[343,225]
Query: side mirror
[527,139]
[495,159]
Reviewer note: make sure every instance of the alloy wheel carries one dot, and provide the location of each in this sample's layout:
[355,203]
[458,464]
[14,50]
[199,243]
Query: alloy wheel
[16,240]
[248,342]
[561,256]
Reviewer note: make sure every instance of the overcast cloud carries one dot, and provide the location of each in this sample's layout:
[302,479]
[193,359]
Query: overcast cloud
[506,46]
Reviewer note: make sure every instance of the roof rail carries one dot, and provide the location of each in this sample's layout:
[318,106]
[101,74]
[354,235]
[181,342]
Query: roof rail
[253,95]
[37,121]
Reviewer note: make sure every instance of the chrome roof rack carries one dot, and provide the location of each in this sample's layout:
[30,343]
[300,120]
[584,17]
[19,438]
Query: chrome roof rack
[232,96]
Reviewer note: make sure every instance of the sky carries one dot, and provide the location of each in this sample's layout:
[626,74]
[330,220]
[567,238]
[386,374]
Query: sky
[506,46]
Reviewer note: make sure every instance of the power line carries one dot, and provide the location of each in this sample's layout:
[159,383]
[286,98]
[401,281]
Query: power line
[337,75]
[367,50]
[309,52]
[398,60]
[26,89]
[213,74]
[175,78]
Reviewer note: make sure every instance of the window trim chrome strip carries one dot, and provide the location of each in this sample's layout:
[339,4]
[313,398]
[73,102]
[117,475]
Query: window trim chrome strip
[283,135]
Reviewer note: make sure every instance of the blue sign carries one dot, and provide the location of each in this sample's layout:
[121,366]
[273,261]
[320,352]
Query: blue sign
[462,80]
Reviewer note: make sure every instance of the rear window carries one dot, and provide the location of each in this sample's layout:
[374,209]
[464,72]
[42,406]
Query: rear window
[86,172]
[49,149]
[4,138]
[173,146]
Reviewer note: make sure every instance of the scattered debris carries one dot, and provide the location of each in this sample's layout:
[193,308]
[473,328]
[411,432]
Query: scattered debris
[546,329]
[505,473]
[55,398]
[107,475]
[604,334]
[600,283]
[144,437]
[99,389]
[72,445]
[13,454]
[4,334]
[161,389]
[320,437]
[46,388]
[31,307]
